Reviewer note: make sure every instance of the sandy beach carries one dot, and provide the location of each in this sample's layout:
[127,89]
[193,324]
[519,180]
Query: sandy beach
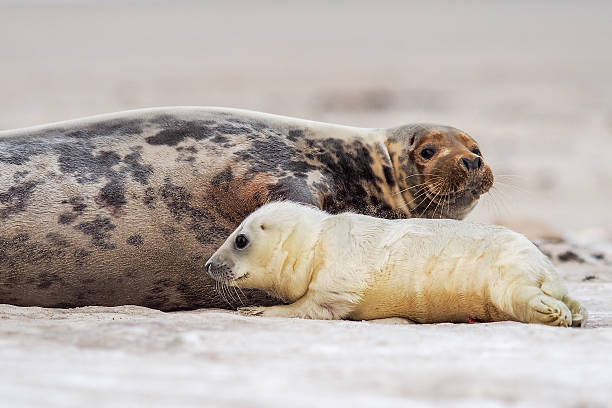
[531,81]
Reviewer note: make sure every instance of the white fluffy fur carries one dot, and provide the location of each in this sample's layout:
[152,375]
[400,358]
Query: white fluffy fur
[359,267]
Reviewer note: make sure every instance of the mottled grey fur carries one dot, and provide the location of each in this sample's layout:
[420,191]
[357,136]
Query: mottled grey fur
[126,208]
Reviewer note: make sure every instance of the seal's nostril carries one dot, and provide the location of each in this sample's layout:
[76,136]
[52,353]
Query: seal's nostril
[207,267]
[472,164]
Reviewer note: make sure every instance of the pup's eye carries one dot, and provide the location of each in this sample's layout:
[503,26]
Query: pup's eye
[241,241]
[476,151]
[427,153]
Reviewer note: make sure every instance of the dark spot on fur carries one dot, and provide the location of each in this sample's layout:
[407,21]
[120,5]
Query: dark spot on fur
[78,204]
[16,198]
[98,230]
[19,175]
[57,240]
[78,207]
[294,189]
[232,129]
[589,277]
[45,280]
[81,253]
[116,127]
[20,250]
[295,135]
[135,240]
[177,199]
[179,202]
[248,123]
[71,145]
[149,197]
[186,154]
[272,154]
[66,218]
[112,195]
[178,130]
[570,256]
[389,176]
[219,139]
[224,176]
[139,171]
[77,159]
[170,137]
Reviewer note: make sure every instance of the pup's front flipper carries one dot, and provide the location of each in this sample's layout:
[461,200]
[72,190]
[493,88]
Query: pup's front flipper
[270,311]
[252,310]
[304,308]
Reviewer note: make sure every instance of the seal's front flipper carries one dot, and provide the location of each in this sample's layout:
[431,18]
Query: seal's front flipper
[273,311]
[304,308]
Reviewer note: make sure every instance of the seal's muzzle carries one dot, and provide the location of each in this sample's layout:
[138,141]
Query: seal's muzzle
[219,271]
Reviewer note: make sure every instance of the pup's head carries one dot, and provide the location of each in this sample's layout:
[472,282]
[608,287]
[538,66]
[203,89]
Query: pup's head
[255,254]
[441,170]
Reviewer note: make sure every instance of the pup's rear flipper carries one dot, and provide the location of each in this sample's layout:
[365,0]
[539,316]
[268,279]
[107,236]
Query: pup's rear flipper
[579,313]
[556,289]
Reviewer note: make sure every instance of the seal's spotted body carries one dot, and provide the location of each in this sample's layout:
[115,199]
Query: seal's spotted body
[126,208]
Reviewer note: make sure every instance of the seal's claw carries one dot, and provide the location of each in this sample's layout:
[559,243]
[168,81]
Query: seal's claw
[251,310]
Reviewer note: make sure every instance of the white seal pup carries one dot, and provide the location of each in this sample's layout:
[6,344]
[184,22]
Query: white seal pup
[360,267]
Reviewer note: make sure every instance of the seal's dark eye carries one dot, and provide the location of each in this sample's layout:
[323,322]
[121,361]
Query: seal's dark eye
[241,241]
[427,153]
[476,151]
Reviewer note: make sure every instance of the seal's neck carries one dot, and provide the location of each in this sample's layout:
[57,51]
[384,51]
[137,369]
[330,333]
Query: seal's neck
[408,181]
[296,256]
[360,176]
[387,188]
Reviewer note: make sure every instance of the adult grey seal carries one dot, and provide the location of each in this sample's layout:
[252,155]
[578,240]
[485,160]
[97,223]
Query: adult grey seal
[359,267]
[126,208]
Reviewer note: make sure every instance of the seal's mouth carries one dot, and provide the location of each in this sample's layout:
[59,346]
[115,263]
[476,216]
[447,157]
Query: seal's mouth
[220,272]
[240,278]
[454,197]
[473,190]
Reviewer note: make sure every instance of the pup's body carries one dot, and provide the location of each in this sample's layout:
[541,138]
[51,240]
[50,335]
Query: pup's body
[360,267]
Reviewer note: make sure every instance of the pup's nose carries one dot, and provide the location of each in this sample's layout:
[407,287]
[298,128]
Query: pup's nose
[211,267]
[218,271]
[474,164]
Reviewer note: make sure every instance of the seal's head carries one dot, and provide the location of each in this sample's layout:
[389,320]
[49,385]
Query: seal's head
[441,171]
[270,250]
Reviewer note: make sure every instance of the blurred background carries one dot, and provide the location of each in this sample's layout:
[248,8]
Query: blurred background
[530,80]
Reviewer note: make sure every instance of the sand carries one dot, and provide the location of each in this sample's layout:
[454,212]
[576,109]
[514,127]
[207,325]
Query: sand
[531,81]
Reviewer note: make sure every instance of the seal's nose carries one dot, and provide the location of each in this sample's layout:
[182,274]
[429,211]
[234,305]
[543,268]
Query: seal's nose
[474,164]
[218,271]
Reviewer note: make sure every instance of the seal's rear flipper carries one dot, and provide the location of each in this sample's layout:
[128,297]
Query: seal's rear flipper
[579,313]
